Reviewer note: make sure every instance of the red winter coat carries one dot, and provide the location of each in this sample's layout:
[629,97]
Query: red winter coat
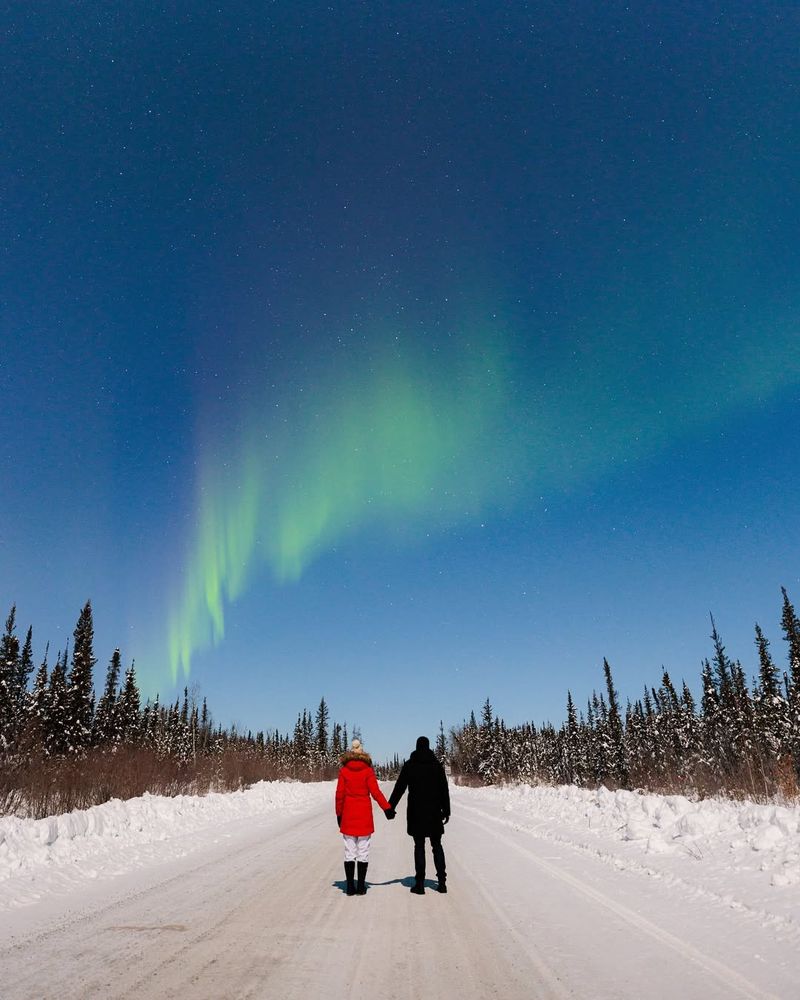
[356,783]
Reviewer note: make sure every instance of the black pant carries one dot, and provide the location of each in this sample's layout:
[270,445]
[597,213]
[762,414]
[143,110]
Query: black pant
[438,856]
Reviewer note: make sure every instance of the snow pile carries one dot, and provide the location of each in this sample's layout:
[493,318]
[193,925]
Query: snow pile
[743,853]
[37,856]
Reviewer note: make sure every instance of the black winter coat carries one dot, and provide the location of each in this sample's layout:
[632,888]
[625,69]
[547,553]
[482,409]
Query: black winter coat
[428,794]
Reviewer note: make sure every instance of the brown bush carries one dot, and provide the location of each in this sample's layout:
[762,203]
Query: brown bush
[45,786]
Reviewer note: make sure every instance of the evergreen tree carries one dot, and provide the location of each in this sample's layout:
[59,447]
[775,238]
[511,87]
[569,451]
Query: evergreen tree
[106,723]
[722,665]
[57,710]
[441,744]
[484,742]
[712,718]
[571,743]
[24,672]
[205,725]
[691,731]
[618,769]
[742,725]
[727,723]
[129,708]
[152,732]
[34,729]
[322,718]
[771,715]
[9,675]
[299,756]
[791,633]
[79,685]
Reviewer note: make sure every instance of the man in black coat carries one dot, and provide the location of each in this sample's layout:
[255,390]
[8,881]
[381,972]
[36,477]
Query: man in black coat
[428,809]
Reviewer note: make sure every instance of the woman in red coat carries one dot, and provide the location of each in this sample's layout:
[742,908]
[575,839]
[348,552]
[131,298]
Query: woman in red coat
[357,782]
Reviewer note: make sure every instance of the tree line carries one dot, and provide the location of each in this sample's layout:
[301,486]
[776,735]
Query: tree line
[62,747]
[742,738]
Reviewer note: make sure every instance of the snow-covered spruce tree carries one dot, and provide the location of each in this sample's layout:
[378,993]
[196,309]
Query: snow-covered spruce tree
[499,763]
[312,753]
[204,732]
[32,734]
[9,673]
[322,719]
[653,755]
[151,727]
[661,751]
[690,733]
[107,730]
[771,710]
[298,747]
[727,731]
[790,625]
[617,765]
[601,740]
[183,744]
[57,710]
[79,684]
[528,754]
[129,709]
[549,755]
[635,743]
[572,763]
[21,695]
[676,727]
[485,741]
[594,768]
[441,744]
[744,739]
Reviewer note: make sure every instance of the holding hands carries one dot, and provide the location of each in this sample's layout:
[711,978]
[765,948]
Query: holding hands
[389,813]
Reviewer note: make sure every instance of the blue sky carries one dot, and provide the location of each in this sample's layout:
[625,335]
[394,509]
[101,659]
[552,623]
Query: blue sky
[220,224]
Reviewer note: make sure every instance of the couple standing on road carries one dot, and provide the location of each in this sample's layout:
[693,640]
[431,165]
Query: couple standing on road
[428,810]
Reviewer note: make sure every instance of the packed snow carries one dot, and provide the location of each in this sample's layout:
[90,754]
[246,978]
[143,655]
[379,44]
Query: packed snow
[553,892]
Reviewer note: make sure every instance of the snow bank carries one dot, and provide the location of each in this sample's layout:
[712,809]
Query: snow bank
[742,853]
[40,856]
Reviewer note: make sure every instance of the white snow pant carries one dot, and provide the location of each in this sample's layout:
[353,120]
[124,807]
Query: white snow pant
[356,848]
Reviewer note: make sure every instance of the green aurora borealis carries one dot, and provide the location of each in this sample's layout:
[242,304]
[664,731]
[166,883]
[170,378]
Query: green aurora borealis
[418,443]
[388,444]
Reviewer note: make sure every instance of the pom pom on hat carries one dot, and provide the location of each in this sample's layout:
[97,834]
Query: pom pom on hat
[356,747]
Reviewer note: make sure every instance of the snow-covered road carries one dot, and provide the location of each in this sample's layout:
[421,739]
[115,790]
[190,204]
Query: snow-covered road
[252,906]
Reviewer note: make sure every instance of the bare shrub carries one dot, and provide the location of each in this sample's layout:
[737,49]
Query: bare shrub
[45,786]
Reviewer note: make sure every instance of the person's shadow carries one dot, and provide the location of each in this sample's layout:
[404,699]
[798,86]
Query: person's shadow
[408,881]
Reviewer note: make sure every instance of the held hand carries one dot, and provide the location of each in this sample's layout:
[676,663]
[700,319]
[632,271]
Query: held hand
[390,813]
[445,819]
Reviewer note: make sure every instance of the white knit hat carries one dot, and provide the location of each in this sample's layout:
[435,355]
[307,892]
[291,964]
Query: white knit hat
[356,747]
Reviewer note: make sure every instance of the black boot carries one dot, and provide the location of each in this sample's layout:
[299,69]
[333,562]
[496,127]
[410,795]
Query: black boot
[438,860]
[418,888]
[361,888]
[349,874]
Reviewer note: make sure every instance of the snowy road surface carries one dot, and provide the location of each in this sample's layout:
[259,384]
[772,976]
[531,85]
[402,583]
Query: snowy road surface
[254,908]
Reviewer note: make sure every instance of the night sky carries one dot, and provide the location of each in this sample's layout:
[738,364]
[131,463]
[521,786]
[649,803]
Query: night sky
[403,354]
